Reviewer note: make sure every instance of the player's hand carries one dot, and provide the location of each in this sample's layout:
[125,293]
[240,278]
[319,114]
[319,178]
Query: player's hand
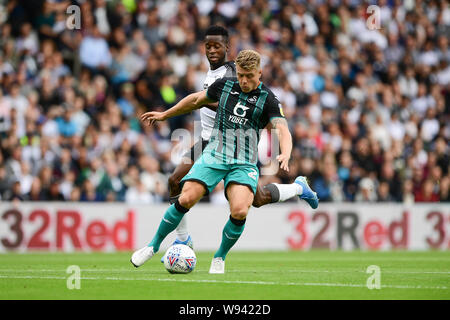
[150,117]
[284,162]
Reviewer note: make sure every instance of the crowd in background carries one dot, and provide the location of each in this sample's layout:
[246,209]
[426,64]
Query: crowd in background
[368,108]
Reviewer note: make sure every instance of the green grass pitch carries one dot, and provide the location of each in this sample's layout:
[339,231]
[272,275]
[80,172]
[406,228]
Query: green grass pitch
[289,275]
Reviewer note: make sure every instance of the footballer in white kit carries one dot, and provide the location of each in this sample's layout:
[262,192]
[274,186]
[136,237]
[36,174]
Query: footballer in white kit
[207,116]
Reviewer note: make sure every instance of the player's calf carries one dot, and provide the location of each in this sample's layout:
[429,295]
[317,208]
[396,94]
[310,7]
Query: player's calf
[175,178]
[263,196]
[174,186]
[169,222]
[230,235]
[282,192]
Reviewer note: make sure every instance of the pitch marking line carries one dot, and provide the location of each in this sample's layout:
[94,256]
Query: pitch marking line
[229,271]
[331,258]
[306,284]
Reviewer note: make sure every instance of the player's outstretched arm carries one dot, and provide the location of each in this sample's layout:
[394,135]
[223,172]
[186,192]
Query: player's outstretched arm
[285,138]
[187,104]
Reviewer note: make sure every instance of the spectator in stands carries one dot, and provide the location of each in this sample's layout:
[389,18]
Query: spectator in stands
[94,51]
[427,194]
[367,191]
[368,109]
[14,194]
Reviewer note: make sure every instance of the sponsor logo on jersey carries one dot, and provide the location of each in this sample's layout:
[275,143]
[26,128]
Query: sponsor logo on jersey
[239,107]
[240,111]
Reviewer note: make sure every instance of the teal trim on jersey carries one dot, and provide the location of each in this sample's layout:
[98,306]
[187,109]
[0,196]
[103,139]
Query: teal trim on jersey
[222,105]
[276,117]
[227,145]
[259,107]
[243,96]
[257,113]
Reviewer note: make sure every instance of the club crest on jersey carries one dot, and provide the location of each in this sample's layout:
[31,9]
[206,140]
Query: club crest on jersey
[253,99]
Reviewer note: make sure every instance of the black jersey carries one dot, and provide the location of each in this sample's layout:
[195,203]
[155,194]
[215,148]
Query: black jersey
[239,119]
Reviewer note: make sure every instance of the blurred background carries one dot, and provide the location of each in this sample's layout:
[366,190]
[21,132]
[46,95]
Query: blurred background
[368,109]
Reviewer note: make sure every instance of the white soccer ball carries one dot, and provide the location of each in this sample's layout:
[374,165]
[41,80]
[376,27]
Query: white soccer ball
[179,258]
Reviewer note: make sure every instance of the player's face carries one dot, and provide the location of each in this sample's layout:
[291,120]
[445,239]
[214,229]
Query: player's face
[248,79]
[216,50]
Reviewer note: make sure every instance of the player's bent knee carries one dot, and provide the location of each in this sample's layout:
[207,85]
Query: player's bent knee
[239,216]
[191,194]
[239,213]
[186,200]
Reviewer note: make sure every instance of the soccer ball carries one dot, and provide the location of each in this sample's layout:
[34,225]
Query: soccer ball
[179,258]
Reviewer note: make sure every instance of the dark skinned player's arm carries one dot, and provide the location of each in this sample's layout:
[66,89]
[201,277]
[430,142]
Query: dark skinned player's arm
[187,104]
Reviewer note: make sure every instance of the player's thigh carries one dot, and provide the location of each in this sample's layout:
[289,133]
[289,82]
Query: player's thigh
[206,173]
[240,198]
[191,193]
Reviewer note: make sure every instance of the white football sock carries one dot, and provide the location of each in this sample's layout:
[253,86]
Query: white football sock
[288,191]
[182,230]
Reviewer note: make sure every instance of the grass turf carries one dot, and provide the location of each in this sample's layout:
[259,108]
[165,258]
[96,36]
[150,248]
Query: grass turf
[289,275]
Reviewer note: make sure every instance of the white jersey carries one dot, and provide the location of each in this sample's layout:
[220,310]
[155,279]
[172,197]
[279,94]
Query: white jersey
[207,115]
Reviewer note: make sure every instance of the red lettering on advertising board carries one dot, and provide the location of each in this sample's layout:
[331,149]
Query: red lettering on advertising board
[398,232]
[319,241]
[64,229]
[439,227]
[448,246]
[123,233]
[96,235]
[374,234]
[15,228]
[300,228]
[36,241]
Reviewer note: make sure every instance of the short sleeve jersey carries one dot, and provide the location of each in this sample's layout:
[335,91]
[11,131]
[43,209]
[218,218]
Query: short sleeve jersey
[240,118]
[207,115]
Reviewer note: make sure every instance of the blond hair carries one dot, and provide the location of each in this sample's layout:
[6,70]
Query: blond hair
[248,60]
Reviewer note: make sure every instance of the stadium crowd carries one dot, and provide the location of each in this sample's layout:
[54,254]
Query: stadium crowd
[368,108]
